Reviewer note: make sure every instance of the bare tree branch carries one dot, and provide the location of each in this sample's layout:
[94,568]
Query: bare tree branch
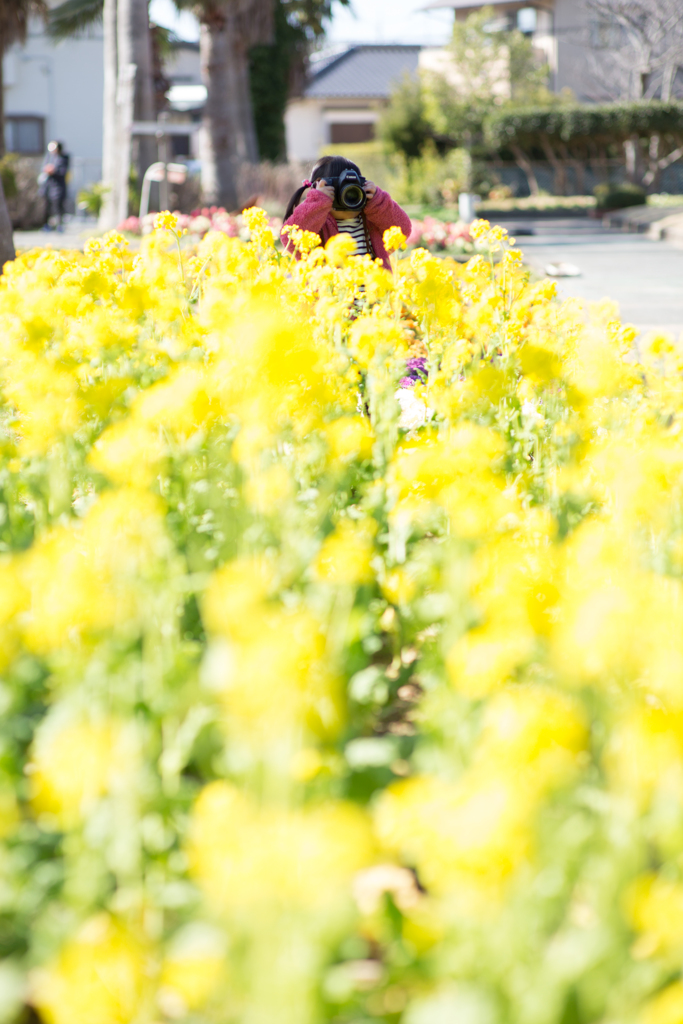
[640,46]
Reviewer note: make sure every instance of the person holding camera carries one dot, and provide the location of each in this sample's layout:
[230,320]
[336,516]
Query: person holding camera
[338,198]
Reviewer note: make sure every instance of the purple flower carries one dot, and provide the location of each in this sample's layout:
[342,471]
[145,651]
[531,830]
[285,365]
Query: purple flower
[417,371]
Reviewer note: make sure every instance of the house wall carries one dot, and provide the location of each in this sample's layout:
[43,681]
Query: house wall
[562,34]
[440,61]
[304,129]
[310,124]
[571,34]
[63,84]
[183,65]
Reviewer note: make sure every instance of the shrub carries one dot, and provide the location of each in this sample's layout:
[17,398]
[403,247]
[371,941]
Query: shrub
[8,175]
[91,199]
[575,134]
[25,205]
[617,197]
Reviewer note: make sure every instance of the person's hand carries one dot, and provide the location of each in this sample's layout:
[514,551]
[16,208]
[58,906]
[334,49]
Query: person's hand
[370,189]
[327,190]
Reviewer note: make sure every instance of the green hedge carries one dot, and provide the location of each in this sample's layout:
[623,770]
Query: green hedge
[649,135]
[612,123]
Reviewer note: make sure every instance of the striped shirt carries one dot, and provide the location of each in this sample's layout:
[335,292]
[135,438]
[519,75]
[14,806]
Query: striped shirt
[355,227]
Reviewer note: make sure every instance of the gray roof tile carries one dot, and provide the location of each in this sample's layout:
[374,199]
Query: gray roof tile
[369,71]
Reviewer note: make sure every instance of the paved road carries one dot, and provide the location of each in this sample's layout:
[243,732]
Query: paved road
[644,277]
[74,236]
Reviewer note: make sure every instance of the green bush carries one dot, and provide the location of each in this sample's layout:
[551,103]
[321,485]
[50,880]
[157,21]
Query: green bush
[608,124]
[404,126]
[91,199]
[576,134]
[371,157]
[8,175]
[618,197]
[432,179]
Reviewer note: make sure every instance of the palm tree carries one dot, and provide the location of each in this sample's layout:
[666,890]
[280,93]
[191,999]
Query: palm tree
[228,31]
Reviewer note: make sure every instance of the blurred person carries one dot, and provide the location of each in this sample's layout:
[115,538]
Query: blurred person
[53,185]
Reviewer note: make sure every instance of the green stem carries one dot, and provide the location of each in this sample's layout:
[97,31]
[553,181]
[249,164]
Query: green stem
[180,258]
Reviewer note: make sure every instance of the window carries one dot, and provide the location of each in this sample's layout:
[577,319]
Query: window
[526,20]
[180,145]
[24,134]
[606,35]
[340,133]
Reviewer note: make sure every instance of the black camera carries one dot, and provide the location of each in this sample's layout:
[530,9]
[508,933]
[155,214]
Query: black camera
[349,193]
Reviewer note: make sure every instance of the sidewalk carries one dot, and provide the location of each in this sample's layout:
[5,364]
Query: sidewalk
[645,276]
[639,218]
[74,236]
[663,222]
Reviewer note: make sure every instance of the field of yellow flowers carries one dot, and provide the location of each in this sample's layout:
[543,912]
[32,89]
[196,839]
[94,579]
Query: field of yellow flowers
[325,699]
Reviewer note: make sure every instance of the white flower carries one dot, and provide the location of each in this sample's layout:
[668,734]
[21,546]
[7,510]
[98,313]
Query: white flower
[530,412]
[414,412]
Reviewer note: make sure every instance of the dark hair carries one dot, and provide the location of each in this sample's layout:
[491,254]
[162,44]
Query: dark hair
[326,167]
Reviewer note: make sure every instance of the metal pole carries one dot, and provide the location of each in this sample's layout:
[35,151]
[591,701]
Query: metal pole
[144,196]
[163,184]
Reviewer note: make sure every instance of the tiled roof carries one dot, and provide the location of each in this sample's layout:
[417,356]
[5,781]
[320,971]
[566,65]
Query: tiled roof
[369,71]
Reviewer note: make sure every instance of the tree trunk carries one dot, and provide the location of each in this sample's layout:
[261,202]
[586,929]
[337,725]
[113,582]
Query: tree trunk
[108,215]
[579,166]
[2,97]
[522,160]
[125,98]
[632,154]
[229,29]
[653,173]
[668,79]
[596,161]
[219,146]
[558,166]
[6,240]
[603,164]
[144,105]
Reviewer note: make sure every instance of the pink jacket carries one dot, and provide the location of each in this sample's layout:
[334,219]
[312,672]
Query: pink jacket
[381,212]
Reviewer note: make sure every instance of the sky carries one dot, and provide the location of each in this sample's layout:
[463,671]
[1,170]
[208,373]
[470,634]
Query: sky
[368,21]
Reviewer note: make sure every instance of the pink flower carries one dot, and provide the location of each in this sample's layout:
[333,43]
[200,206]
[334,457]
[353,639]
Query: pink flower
[131,225]
[199,225]
[416,234]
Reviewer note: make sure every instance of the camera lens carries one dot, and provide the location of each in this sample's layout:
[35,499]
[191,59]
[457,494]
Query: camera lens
[352,197]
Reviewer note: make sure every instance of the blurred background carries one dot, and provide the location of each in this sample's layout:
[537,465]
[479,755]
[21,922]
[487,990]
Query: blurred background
[427,94]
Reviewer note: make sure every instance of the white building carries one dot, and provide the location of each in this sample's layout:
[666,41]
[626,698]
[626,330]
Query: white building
[186,96]
[54,90]
[561,29]
[343,99]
